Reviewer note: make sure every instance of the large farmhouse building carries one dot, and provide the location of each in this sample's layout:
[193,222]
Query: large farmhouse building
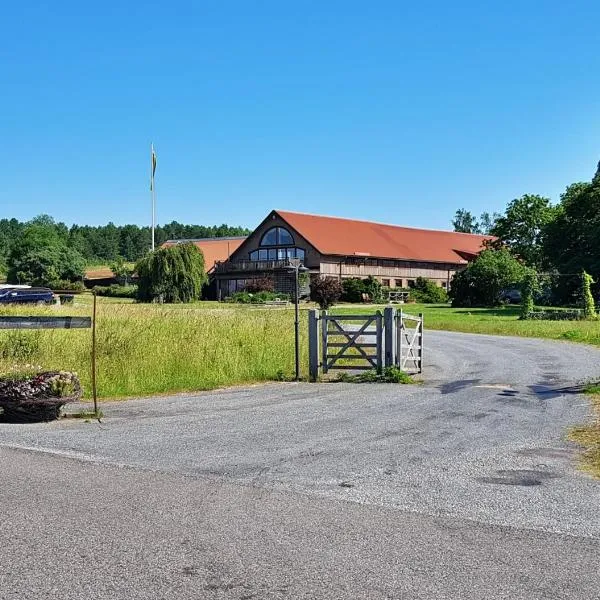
[335,247]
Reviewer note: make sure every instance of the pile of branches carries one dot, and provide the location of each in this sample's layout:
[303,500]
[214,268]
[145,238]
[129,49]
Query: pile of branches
[37,397]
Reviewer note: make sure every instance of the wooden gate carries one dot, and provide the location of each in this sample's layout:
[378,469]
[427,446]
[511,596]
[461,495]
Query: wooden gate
[409,343]
[358,342]
[351,341]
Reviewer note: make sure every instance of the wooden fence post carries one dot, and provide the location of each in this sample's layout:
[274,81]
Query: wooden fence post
[324,340]
[313,345]
[388,329]
[379,330]
[399,334]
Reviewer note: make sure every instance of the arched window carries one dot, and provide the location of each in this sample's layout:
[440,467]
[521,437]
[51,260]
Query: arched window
[277,236]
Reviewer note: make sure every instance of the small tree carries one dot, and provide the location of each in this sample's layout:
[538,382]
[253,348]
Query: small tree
[122,270]
[325,291]
[589,306]
[528,288]
[260,284]
[482,282]
[174,274]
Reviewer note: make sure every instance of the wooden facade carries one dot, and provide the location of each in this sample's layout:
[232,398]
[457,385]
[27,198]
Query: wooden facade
[254,259]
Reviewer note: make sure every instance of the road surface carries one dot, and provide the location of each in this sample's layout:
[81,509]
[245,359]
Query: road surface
[463,487]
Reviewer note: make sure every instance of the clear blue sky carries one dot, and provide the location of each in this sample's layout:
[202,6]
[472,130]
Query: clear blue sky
[392,111]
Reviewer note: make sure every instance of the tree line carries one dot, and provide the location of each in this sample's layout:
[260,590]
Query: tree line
[558,241]
[105,243]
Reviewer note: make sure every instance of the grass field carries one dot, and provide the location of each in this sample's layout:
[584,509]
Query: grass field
[588,436]
[154,349]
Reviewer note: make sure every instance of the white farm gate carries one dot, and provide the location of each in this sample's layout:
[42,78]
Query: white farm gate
[358,342]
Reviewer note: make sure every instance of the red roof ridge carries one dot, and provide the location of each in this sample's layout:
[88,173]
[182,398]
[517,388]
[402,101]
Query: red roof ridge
[290,212]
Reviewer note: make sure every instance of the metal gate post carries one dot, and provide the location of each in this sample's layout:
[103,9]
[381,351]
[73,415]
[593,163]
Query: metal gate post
[421,344]
[399,334]
[324,325]
[313,345]
[379,330]
[389,314]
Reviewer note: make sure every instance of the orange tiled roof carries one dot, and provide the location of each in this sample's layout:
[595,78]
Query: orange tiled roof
[214,249]
[348,237]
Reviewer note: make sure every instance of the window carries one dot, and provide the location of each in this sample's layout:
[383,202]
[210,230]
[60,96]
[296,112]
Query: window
[444,284]
[398,283]
[276,254]
[277,236]
[411,283]
[385,283]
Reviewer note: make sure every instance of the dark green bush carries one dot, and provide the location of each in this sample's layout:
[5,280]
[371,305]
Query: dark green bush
[325,291]
[353,289]
[428,292]
[245,297]
[260,284]
[64,285]
[116,291]
[482,282]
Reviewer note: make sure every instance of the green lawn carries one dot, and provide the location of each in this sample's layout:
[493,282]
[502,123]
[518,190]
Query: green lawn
[496,321]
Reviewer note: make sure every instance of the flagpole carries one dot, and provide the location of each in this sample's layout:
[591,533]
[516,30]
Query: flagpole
[153,193]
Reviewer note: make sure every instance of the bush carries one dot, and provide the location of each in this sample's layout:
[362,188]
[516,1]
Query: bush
[325,291]
[556,315]
[66,285]
[482,282]
[528,289]
[373,289]
[428,292]
[175,274]
[245,297]
[116,291]
[589,306]
[261,284]
[352,290]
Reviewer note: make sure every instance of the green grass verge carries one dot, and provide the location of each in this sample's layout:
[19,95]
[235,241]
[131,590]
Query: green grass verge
[588,436]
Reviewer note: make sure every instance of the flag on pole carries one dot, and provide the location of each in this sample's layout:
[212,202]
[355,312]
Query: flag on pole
[152,168]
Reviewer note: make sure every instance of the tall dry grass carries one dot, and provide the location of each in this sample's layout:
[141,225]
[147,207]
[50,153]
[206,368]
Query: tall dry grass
[152,349]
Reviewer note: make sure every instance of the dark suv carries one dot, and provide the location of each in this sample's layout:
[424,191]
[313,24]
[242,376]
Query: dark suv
[26,296]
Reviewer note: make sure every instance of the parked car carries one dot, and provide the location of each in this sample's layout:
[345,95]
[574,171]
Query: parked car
[511,296]
[31,295]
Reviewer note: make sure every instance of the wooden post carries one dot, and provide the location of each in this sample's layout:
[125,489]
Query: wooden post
[313,345]
[388,329]
[94,389]
[324,340]
[379,330]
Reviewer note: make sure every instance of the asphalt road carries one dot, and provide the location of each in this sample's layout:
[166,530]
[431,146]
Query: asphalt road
[463,487]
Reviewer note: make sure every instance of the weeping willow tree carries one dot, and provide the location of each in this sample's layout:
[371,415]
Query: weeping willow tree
[172,275]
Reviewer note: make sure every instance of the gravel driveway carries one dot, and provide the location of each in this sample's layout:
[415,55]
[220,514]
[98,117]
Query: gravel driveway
[479,445]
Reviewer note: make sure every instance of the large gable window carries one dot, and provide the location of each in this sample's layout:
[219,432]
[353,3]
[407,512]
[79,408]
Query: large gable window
[277,236]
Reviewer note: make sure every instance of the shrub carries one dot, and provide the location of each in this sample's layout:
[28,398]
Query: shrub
[66,285]
[352,290]
[171,275]
[245,297]
[325,291]
[428,292]
[528,289]
[589,306]
[482,282]
[116,291]
[374,290]
[556,315]
[260,284]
